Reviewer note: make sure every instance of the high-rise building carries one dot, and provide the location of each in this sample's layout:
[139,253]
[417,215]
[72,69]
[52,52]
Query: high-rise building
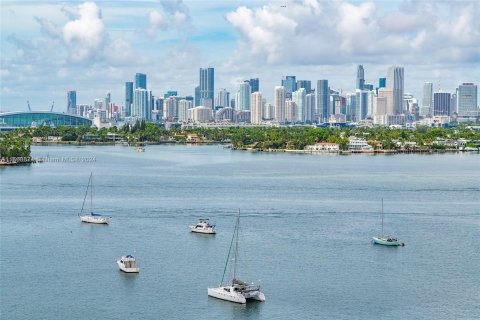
[140,104]
[382,82]
[128,98]
[108,107]
[72,102]
[360,77]
[291,111]
[268,111]
[290,85]
[362,104]
[395,81]
[306,84]
[441,103]
[244,96]
[323,101]
[254,84]
[280,104]
[299,97]
[207,86]
[170,108]
[183,107]
[310,107]
[197,96]
[141,81]
[223,98]
[351,106]
[427,99]
[256,115]
[467,100]
[201,114]
[386,95]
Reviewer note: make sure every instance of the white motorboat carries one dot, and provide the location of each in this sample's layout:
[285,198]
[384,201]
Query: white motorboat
[128,264]
[203,226]
[92,217]
[387,240]
[236,291]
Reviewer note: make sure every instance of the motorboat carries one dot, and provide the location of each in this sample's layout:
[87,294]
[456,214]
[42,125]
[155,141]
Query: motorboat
[236,290]
[128,264]
[203,226]
[140,149]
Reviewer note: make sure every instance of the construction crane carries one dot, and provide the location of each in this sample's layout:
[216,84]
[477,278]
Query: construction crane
[28,105]
[53,103]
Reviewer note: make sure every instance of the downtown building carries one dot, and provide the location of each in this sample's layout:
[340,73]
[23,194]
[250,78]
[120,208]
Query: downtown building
[256,111]
[280,104]
[206,88]
[467,106]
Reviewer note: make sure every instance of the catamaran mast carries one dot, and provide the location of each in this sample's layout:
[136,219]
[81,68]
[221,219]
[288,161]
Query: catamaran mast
[236,247]
[382,217]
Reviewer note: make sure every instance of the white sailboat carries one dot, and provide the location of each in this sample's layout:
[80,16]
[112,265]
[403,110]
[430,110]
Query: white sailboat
[387,240]
[236,291]
[92,217]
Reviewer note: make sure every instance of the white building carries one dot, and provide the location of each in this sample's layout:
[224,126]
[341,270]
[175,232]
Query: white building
[183,107]
[256,115]
[280,104]
[358,144]
[291,111]
[299,97]
[200,114]
[268,111]
[323,146]
[140,104]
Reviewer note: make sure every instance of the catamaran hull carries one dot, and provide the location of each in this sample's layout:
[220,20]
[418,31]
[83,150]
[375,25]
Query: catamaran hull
[93,219]
[127,270]
[235,296]
[205,231]
[387,243]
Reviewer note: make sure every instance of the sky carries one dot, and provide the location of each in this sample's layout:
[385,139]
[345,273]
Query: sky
[93,47]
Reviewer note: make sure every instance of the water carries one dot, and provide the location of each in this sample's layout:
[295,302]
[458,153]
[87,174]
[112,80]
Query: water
[306,226]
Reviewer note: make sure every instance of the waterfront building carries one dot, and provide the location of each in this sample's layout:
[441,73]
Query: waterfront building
[140,104]
[395,81]
[291,111]
[244,96]
[72,102]
[256,115]
[141,81]
[21,119]
[441,103]
[323,100]
[467,100]
[323,146]
[128,98]
[300,97]
[427,100]
[306,84]
[183,107]
[358,144]
[207,86]
[360,78]
[201,114]
[280,104]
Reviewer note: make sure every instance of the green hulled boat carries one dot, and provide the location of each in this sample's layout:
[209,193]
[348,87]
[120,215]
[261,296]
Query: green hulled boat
[387,240]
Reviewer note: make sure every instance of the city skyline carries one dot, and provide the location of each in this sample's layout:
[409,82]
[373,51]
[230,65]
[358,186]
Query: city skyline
[48,54]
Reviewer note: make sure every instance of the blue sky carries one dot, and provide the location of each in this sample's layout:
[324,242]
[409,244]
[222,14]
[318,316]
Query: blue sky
[50,47]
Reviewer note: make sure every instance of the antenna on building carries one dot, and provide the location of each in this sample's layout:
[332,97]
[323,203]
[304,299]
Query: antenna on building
[28,105]
[53,103]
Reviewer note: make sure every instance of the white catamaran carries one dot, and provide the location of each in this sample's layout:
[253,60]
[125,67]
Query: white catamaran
[92,217]
[387,240]
[236,291]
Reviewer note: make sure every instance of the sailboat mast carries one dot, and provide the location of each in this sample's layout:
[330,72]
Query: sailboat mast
[236,247]
[91,193]
[86,193]
[382,217]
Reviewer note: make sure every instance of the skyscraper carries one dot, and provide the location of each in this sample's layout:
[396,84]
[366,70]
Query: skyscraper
[257,108]
[183,107]
[140,104]
[309,107]
[441,103]
[362,104]
[198,101]
[290,85]
[207,86]
[323,100]
[299,97]
[467,100]
[360,77]
[280,104]
[291,111]
[395,80]
[244,96]
[306,84]
[141,81]
[72,102]
[223,98]
[128,98]
[427,99]
[255,84]
[382,82]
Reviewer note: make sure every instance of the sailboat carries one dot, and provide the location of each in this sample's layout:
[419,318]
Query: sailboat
[92,217]
[236,291]
[387,240]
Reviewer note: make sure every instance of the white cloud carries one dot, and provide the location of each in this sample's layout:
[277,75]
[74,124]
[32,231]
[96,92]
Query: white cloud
[171,15]
[336,32]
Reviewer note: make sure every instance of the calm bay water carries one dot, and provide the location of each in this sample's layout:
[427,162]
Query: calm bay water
[306,226]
